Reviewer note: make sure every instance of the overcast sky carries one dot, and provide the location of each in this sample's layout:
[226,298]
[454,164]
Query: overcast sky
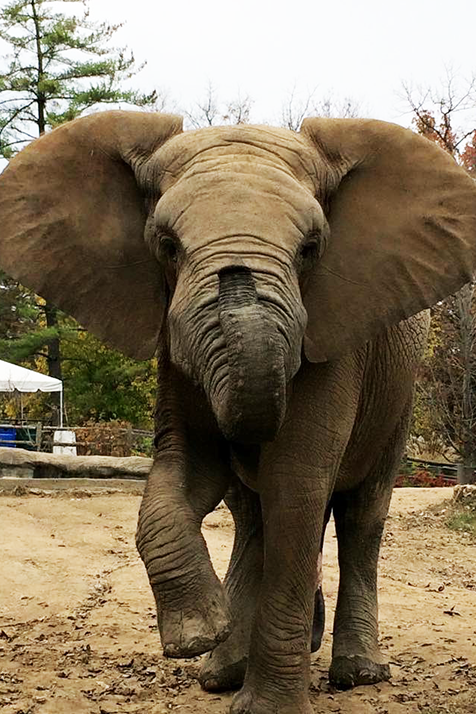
[362,49]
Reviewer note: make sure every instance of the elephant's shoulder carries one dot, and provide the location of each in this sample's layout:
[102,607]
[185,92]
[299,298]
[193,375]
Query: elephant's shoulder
[403,343]
[415,329]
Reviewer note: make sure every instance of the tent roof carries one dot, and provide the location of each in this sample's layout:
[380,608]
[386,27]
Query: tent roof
[13,377]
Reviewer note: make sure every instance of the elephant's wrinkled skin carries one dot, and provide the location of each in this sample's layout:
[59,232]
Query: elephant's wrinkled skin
[282,276]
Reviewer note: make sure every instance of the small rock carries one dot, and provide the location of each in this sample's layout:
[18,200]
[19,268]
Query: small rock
[465,495]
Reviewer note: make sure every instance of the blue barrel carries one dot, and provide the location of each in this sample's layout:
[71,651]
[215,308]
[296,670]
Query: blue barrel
[8,436]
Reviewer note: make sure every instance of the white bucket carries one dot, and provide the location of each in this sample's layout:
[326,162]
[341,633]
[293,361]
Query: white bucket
[65,437]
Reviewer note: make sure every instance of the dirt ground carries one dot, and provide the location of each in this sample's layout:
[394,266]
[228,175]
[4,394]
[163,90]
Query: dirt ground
[78,632]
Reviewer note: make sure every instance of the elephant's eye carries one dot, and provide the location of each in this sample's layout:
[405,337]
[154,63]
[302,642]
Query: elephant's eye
[309,252]
[168,248]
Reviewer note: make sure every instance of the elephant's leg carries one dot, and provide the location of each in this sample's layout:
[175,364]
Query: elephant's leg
[297,473]
[225,667]
[360,517]
[192,607]
[277,677]
[189,477]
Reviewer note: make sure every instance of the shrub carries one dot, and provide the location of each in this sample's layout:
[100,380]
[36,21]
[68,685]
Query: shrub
[422,478]
[112,438]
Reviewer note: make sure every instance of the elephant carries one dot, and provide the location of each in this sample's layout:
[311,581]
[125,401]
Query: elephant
[283,280]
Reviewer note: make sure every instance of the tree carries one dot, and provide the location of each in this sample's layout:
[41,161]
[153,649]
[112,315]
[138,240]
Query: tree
[210,110]
[60,65]
[18,311]
[100,383]
[446,396]
[436,111]
[104,385]
[295,109]
[445,414]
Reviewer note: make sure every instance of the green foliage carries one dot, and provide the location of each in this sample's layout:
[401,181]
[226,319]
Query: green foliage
[463,521]
[144,446]
[101,384]
[58,67]
[18,310]
[462,517]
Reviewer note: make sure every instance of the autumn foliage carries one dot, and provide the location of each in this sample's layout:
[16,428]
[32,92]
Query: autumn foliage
[445,413]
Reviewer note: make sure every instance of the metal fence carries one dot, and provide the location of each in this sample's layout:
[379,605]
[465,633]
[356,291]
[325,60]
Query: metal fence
[98,440]
[445,469]
[102,439]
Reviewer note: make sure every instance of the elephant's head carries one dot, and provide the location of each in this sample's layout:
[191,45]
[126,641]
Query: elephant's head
[236,246]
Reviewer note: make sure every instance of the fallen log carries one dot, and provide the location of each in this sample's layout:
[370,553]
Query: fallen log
[20,463]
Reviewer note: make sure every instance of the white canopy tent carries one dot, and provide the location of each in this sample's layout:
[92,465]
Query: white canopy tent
[14,378]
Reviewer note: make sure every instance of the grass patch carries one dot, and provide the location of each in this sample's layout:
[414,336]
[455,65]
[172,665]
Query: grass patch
[462,519]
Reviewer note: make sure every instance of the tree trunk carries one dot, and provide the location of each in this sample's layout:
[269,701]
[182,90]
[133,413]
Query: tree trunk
[466,473]
[54,359]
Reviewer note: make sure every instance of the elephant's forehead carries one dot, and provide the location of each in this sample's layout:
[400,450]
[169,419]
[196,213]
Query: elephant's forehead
[272,205]
[213,147]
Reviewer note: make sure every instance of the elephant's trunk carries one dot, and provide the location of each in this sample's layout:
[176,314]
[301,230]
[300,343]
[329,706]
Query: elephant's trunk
[250,403]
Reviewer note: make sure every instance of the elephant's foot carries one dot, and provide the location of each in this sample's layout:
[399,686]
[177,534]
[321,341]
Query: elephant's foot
[225,667]
[219,676]
[251,702]
[196,629]
[352,670]
[247,702]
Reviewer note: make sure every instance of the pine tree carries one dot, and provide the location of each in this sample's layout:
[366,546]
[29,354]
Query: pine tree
[60,65]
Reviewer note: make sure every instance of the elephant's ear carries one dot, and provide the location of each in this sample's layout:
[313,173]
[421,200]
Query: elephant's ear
[72,225]
[402,217]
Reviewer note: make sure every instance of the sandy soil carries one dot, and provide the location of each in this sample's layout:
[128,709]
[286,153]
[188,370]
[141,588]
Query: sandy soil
[78,632]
